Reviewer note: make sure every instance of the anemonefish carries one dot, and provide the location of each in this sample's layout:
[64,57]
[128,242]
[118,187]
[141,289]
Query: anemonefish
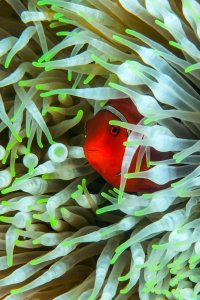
[104,148]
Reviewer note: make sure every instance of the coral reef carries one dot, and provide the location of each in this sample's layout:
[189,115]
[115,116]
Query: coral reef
[64,232]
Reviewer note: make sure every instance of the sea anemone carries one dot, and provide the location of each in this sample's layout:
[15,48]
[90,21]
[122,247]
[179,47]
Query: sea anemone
[65,233]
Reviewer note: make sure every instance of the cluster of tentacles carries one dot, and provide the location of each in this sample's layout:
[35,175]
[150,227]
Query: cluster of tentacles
[64,233]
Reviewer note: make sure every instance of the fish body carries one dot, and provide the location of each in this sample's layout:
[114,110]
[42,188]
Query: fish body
[104,148]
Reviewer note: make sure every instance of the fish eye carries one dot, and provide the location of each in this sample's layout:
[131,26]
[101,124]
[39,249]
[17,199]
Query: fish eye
[114,130]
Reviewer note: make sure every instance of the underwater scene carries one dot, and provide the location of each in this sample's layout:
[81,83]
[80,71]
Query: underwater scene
[100,150]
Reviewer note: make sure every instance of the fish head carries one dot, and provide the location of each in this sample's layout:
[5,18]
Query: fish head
[103,147]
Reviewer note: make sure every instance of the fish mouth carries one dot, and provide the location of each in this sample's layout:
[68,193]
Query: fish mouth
[90,150]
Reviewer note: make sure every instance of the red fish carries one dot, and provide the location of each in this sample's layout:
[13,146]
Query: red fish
[104,148]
